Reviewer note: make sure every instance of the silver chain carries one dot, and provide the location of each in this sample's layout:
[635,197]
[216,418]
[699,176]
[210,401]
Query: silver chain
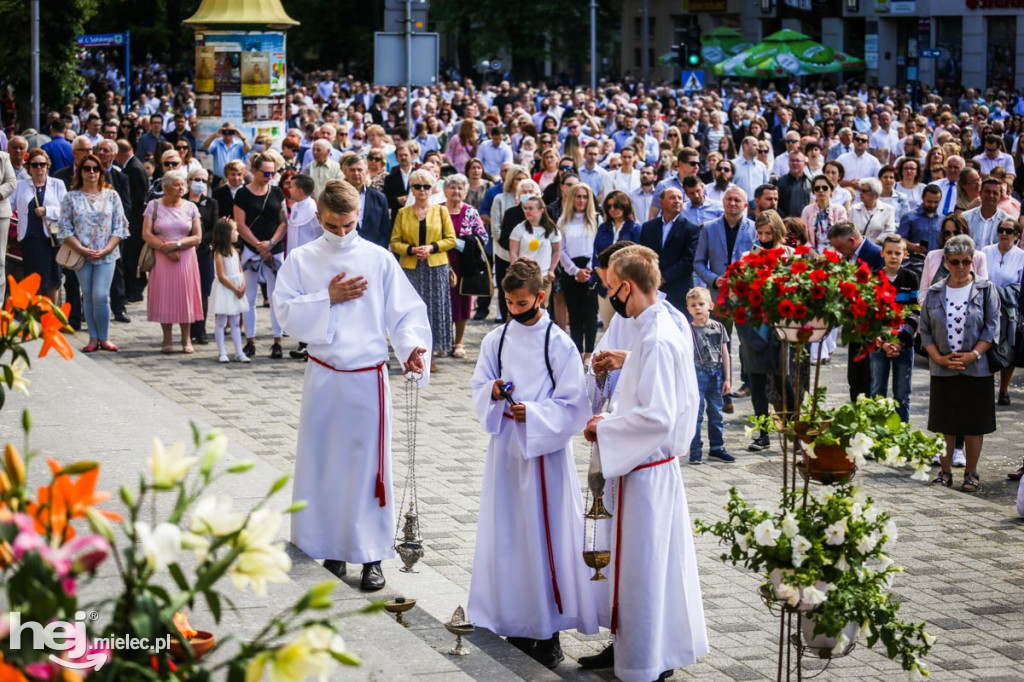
[412,408]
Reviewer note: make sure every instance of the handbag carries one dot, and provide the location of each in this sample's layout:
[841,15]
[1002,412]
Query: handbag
[1000,355]
[147,256]
[68,258]
[481,281]
[453,279]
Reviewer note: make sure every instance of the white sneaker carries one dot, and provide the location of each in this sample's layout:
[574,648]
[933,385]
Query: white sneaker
[242,357]
[224,358]
[959,458]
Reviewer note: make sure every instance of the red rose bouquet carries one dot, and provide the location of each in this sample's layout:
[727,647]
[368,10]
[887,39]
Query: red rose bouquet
[811,292]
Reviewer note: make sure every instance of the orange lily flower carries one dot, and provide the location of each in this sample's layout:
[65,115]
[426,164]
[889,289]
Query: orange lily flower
[8,673]
[22,293]
[53,338]
[70,500]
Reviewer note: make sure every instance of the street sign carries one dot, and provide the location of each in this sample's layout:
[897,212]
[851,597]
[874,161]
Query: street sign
[389,58]
[495,65]
[101,40]
[394,19]
[931,53]
[693,80]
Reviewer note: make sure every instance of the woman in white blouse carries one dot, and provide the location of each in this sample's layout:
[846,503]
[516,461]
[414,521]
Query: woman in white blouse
[874,219]
[578,227]
[1005,262]
[37,201]
[908,176]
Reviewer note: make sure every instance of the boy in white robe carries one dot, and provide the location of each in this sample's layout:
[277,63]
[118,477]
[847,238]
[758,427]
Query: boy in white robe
[303,227]
[346,298]
[657,613]
[529,581]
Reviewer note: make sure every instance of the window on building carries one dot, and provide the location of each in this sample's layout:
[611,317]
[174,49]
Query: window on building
[638,28]
[949,38]
[1002,43]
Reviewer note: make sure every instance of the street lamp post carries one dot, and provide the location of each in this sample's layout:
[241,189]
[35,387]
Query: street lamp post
[593,45]
[645,60]
[36,93]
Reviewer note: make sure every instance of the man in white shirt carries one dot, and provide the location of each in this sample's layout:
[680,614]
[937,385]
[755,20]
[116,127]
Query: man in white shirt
[781,165]
[750,172]
[858,163]
[983,220]
[723,173]
[643,196]
[322,168]
[994,157]
[947,204]
[495,152]
[886,137]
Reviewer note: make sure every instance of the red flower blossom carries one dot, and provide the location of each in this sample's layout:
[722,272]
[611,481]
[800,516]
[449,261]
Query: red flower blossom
[786,308]
[798,267]
[848,289]
[863,273]
[818,291]
[740,315]
[832,256]
[800,312]
[859,308]
[802,250]
[755,297]
[740,288]
[818,276]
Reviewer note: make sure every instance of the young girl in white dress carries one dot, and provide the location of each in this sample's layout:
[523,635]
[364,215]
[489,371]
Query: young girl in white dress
[227,297]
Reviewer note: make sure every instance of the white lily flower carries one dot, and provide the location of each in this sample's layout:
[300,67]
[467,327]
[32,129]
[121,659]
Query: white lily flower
[259,566]
[298,661]
[160,545]
[212,449]
[766,534]
[261,530]
[835,534]
[789,525]
[213,516]
[812,596]
[199,545]
[168,466]
[20,383]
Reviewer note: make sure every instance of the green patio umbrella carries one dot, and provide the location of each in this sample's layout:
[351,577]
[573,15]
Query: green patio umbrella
[787,53]
[720,44]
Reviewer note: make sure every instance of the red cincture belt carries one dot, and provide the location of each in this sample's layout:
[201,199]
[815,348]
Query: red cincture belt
[618,535]
[547,527]
[380,491]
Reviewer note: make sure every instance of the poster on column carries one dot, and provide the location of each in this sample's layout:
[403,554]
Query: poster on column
[206,58]
[268,42]
[255,74]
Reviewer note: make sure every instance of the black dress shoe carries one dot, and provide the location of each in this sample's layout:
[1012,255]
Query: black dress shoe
[276,352]
[336,567]
[201,337]
[249,349]
[524,644]
[298,354]
[548,652]
[134,298]
[373,577]
[480,315]
[605,659]
[122,317]
[664,676]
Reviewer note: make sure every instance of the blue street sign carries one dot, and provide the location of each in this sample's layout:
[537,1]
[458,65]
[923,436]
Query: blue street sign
[693,81]
[931,53]
[102,40]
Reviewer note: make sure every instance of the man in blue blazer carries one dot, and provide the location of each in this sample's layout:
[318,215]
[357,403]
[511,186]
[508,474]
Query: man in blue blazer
[724,240]
[851,245]
[374,218]
[674,239]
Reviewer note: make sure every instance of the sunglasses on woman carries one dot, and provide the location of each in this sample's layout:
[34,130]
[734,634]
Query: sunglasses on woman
[959,262]
[90,169]
[821,188]
[950,233]
[38,164]
[422,188]
[171,164]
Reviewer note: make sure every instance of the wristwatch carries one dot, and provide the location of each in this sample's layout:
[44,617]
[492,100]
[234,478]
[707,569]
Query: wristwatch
[178,244]
[272,243]
[977,355]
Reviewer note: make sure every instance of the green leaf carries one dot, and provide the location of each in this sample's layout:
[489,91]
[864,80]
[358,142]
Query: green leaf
[76,468]
[195,433]
[9,375]
[26,421]
[127,497]
[296,506]
[213,601]
[241,467]
[179,576]
[345,658]
[373,607]
[160,593]
[278,484]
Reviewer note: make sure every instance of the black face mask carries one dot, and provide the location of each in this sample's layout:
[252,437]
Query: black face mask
[618,304]
[526,316]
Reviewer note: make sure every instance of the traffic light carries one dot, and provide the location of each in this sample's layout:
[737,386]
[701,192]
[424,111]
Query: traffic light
[693,59]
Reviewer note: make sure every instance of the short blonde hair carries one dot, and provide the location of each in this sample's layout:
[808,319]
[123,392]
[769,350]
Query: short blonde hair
[421,176]
[639,265]
[338,197]
[698,292]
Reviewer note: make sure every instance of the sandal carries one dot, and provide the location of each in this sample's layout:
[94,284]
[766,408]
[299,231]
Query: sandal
[91,348]
[106,345]
[971,482]
[944,479]
[167,350]
[460,351]
[188,349]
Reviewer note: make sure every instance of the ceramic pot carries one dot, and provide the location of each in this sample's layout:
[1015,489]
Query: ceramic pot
[830,465]
[822,645]
[201,645]
[807,331]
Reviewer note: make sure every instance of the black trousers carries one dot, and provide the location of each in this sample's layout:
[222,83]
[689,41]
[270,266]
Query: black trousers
[73,295]
[500,269]
[117,284]
[858,374]
[581,302]
[134,282]
[759,393]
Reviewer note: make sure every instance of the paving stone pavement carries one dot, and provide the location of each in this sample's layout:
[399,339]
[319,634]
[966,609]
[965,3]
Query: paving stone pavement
[962,553]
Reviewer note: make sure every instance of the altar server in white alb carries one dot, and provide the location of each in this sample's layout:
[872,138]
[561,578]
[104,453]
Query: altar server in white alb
[657,614]
[346,298]
[529,580]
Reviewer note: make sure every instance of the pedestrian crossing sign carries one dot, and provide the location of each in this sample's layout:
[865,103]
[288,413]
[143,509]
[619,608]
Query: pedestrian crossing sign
[693,81]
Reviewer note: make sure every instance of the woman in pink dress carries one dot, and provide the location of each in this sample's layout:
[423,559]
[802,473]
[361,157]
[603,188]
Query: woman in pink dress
[171,226]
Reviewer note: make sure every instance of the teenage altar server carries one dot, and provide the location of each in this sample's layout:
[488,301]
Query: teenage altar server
[529,580]
[346,298]
[657,613]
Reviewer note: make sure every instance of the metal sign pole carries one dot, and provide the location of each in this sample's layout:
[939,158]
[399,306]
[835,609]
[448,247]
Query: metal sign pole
[593,45]
[408,68]
[127,72]
[36,96]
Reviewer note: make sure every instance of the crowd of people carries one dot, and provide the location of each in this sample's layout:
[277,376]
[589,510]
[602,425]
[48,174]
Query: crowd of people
[482,177]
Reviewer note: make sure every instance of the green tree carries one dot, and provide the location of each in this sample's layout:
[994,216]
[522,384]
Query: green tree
[60,22]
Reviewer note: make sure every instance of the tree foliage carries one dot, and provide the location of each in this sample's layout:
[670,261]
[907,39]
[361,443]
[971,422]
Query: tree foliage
[60,22]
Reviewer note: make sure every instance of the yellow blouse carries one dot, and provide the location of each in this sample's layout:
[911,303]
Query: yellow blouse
[406,234]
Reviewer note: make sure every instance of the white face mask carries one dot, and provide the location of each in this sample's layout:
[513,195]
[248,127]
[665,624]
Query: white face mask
[198,187]
[339,241]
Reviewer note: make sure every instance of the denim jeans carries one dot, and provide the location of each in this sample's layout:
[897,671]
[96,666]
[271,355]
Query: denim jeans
[95,279]
[709,381]
[901,366]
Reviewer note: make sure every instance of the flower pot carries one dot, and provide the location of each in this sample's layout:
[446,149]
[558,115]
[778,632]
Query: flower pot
[807,331]
[829,465]
[806,431]
[201,645]
[780,590]
[823,645]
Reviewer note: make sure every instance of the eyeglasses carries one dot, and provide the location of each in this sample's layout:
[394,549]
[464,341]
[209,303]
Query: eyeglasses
[821,188]
[1006,230]
[565,168]
[421,188]
[990,150]
[692,163]
[792,141]
[574,127]
[866,190]
[38,164]
[762,151]
[672,135]
[950,233]
[860,139]
[269,174]
[171,164]
[724,169]
[959,262]
[90,169]
[181,146]
[609,207]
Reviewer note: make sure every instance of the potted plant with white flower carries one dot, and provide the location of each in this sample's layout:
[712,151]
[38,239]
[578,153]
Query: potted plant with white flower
[827,559]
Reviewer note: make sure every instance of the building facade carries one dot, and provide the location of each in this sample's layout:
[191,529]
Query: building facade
[976,43]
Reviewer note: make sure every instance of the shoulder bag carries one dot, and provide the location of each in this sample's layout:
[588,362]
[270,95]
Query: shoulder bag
[1000,354]
[70,259]
[147,257]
